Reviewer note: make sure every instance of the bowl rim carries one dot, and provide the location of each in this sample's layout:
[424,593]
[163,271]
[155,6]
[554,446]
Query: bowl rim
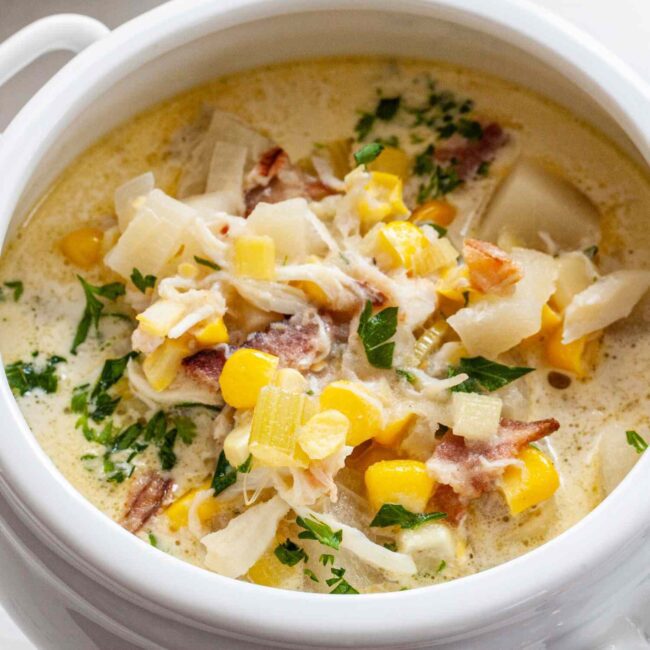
[107,553]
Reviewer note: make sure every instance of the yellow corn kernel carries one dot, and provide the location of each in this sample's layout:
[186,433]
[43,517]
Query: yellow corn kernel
[162,365]
[313,292]
[364,411]
[244,374]
[160,317]
[255,257]
[551,320]
[188,270]
[429,341]
[535,482]
[395,430]
[382,199]
[213,332]
[439,212]
[392,161]
[178,512]
[83,246]
[397,244]
[403,482]
[566,356]
[270,572]
[274,430]
[236,444]
[323,434]
[291,380]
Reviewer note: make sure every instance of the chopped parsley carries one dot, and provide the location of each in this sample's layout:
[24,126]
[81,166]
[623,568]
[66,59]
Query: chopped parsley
[636,441]
[319,531]
[483,169]
[375,332]
[290,553]
[17,287]
[368,153]
[142,282]
[470,129]
[392,514]
[225,474]
[310,574]
[326,559]
[405,374]
[24,377]
[364,126]
[341,586]
[485,375]
[423,164]
[209,263]
[387,108]
[442,181]
[94,308]
[441,567]
[152,540]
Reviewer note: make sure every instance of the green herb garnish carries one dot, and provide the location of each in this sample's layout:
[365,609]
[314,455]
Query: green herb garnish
[368,153]
[591,252]
[375,331]
[485,375]
[319,531]
[364,125]
[94,308]
[441,182]
[225,474]
[142,282]
[405,374]
[470,129]
[17,287]
[326,559]
[392,514]
[441,567]
[310,574]
[24,377]
[342,585]
[387,108]
[290,553]
[152,540]
[483,169]
[209,263]
[636,441]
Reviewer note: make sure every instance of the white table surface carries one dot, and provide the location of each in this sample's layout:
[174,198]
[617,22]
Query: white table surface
[622,26]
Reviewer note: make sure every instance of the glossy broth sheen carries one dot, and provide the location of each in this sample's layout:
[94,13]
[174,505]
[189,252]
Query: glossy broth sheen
[297,105]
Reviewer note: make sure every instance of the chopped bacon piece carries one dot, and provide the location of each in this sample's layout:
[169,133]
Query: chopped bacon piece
[447,501]
[276,179]
[491,270]
[467,158]
[147,494]
[472,469]
[299,342]
[206,366]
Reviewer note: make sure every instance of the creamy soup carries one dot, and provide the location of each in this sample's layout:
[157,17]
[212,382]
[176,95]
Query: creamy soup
[341,326]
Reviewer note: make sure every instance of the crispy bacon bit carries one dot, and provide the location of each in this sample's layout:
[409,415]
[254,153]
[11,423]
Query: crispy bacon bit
[147,494]
[468,157]
[206,366]
[446,500]
[298,342]
[491,270]
[276,179]
[472,469]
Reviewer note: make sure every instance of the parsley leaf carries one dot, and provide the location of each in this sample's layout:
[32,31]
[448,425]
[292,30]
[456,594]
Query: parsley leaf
[470,129]
[387,108]
[290,553]
[485,374]
[111,373]
[405,374]
[424,164]
[152,540]
[94,308]
[326,559]
[441,567]
[142,282]
[224,476]
[310,574]
[342,585]
[441,182]
[24,377]
[368,153]
[209,263]
[636,441]
[375,331]
[319,531]
[391,514]
[17,287]
[364,125]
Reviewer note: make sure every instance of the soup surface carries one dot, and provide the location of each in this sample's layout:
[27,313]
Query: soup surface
[345,326]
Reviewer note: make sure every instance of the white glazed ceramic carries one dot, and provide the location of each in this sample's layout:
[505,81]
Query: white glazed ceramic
[562,595]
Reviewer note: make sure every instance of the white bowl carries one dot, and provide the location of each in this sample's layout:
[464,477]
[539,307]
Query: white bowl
[158,601]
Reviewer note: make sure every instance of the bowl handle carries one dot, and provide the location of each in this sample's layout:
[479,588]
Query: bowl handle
[71,32]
